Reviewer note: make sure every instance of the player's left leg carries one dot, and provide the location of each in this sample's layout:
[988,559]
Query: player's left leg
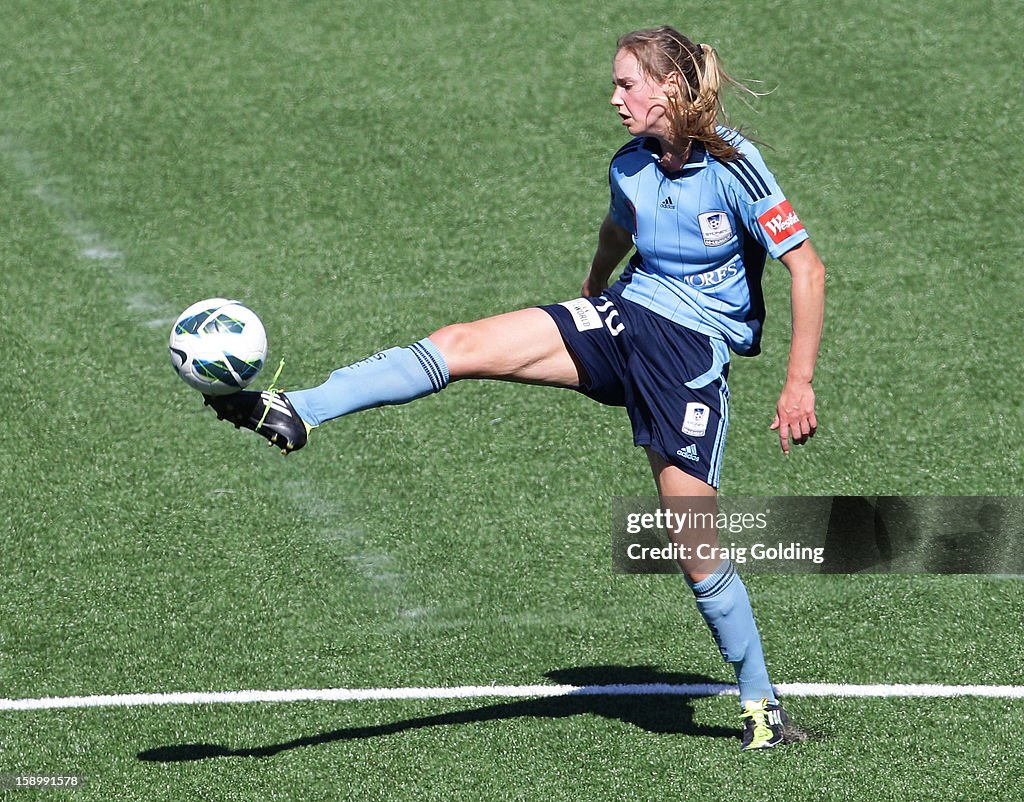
[523,346]
[723,602]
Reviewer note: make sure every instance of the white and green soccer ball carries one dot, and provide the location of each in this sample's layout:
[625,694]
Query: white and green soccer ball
[218,346]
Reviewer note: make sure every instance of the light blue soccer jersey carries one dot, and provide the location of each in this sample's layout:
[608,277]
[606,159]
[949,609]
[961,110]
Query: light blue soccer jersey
[701,236]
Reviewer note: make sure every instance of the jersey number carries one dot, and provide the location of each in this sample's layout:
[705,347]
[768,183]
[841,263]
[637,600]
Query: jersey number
[611,320]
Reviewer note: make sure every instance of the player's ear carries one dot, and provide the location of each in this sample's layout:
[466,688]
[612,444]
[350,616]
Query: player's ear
[669,87]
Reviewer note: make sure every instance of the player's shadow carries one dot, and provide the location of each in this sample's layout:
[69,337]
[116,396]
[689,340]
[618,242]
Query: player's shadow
[665,714]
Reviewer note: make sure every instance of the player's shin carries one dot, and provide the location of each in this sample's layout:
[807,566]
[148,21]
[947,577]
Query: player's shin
[395,376]
[725,605]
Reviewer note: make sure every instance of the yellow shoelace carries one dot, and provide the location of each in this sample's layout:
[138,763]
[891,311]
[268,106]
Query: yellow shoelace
[759,716]
[273,392]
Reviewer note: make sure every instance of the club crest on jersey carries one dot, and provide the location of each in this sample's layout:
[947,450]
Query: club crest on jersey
[715,228]
[780,222]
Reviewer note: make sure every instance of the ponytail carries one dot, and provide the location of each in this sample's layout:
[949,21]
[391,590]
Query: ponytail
[695,109]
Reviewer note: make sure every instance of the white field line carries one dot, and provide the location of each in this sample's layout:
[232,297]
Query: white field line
[56,193]
[500,692]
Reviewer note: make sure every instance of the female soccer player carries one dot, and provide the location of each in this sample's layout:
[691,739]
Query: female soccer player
[696,201]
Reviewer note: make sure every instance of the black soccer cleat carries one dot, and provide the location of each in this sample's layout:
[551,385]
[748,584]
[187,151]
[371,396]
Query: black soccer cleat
[269,414]
[765,725]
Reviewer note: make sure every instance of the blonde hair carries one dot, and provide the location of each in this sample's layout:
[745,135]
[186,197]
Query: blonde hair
[696,109]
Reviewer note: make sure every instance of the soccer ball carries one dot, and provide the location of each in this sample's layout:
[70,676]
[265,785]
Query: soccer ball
[218,346]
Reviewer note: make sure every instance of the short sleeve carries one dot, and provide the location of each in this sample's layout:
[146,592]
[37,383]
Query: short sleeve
[620,209]
[759,203]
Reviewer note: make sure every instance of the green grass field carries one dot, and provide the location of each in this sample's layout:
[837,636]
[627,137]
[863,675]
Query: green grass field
[360,175]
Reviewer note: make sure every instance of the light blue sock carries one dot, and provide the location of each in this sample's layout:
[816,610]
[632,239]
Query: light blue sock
[394,376]
[723,601]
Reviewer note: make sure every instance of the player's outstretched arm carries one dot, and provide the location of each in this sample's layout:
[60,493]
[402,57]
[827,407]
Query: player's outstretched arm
[794,415]
[613,243]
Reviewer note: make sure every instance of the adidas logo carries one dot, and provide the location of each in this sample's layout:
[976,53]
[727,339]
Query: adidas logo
[667,203]
[775,718]
[271,400]
[690,453]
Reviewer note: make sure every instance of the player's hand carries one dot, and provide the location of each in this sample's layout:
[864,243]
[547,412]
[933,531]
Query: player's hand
[593,286]
[794,415]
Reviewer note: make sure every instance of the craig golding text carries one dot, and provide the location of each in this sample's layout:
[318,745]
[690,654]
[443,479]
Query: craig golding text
[738,554]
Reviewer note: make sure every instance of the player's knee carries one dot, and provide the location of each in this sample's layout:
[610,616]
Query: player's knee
[459,344]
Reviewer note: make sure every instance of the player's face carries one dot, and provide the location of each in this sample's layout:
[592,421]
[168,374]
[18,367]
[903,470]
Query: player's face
[639,102]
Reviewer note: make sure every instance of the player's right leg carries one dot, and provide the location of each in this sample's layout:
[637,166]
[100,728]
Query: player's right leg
[523,346]
[724,604]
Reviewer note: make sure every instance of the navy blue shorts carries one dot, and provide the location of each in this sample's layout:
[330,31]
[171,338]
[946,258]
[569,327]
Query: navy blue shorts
[670,379]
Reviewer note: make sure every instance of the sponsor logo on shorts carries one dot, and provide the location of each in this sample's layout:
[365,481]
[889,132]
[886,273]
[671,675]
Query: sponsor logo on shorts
[583,314]
[780,222]
[715,228]
[695,422]
[689,452]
